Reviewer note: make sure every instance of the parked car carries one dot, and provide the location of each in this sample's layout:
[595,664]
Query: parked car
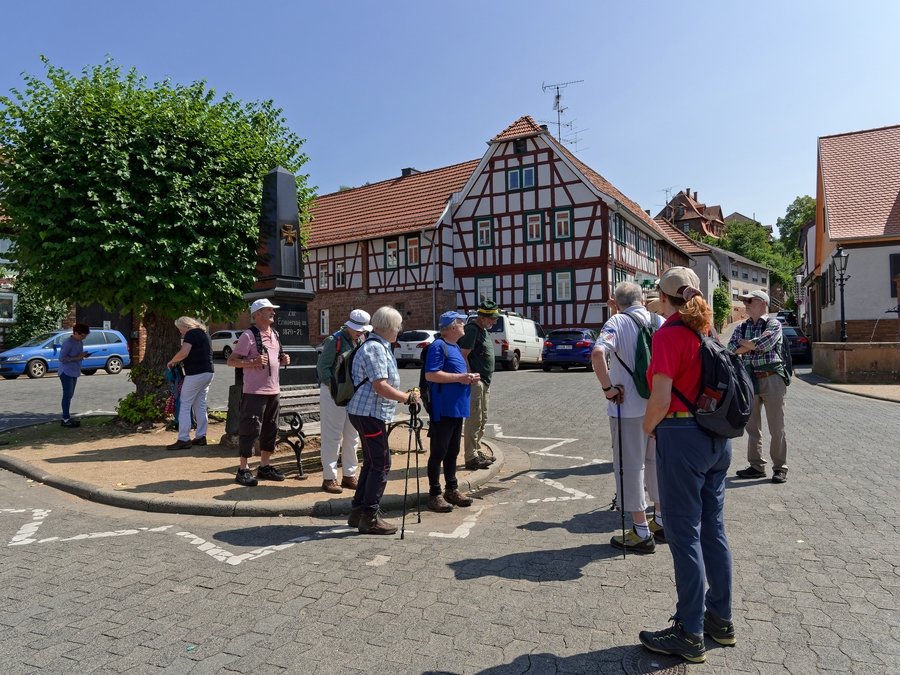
[801,349]
[223,341]
[569,347]
[517,340]
[409,345]
[108,350]
[787,317]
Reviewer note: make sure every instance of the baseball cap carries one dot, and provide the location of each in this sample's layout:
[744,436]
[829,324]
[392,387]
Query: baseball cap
[359,320]
[675,279]
[489,308]
[259,304]
[760,295]
[449,317]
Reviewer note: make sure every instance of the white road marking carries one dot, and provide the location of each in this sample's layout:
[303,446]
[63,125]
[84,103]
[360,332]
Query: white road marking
[462,531]
[378,560]
[23,536]
[545,452]
[575,494]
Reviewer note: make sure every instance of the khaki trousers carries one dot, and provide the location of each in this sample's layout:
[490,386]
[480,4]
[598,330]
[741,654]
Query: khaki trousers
[478,414]
[772,391]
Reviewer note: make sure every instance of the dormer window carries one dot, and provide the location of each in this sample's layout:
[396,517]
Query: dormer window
[520,146]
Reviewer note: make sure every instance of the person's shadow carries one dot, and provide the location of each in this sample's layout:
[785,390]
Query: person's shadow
[539,566]
[609,660]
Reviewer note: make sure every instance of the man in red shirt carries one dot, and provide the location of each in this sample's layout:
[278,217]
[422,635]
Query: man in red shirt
[691,468]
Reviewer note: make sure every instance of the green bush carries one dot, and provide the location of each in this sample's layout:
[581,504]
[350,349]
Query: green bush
[134,409]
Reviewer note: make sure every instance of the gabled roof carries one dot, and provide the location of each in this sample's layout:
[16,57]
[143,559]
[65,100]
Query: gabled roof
[392,206]
[524,126]
[861,178]
[735,256]
[684,242]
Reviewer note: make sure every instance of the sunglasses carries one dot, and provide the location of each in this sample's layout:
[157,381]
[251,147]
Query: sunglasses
[747,301]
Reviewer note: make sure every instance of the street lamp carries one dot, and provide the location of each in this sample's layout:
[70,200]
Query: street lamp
[840,265]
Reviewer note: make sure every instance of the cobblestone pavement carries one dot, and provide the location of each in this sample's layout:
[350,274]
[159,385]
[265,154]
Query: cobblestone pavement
[523,581]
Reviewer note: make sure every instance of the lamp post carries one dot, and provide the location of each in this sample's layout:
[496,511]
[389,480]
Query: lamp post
[840,264]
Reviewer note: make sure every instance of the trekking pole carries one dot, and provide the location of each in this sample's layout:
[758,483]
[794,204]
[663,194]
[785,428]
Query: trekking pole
[417,422]
[412,418]
[621,474]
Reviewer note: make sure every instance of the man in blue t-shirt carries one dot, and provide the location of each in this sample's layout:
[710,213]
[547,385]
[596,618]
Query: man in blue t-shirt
[450,384]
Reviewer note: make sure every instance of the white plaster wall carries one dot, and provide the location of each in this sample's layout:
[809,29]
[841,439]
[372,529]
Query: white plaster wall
[867,294]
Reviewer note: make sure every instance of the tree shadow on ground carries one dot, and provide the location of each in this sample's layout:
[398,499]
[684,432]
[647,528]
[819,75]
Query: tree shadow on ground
[538,566]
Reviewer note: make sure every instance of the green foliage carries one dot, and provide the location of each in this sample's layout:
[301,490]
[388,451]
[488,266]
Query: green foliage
[721,306]
[135,409]
[137,195]
[752,241]
[35,313]
[799,213]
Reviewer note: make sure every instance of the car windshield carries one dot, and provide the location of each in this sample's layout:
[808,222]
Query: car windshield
[497,327]
[413,336]
[565,335]
[39,340]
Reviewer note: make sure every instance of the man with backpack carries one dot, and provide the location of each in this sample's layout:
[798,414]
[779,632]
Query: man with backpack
[258,352]
[626,339]
[761,343]
[339,438]
[478,351]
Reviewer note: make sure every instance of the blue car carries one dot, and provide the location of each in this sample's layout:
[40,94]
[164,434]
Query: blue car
[569,347]
[108,350]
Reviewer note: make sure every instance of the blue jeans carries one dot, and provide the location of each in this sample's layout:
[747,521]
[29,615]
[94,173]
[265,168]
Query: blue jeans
[691,469]
[68,386]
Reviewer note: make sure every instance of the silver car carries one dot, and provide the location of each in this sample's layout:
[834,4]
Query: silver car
[223,341]
[410,343]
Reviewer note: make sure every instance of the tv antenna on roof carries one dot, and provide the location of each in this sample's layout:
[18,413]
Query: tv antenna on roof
[557,103]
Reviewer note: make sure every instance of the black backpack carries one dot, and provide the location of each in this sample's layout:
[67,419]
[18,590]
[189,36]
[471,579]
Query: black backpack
[257,336]
[424,388]
[341,385]
[725,400]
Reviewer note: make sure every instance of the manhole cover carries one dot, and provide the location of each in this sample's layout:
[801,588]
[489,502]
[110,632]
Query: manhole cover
[640,661]
[485,491]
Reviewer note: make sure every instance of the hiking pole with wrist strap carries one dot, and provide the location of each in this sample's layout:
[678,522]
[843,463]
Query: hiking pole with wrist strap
[414,425]
[621,472]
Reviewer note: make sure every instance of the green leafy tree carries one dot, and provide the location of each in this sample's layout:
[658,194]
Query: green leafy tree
[35,313]
[799,213]
[145,196]
[721,306]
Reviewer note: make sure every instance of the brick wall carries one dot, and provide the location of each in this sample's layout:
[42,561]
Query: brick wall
[416,307]
[860,330]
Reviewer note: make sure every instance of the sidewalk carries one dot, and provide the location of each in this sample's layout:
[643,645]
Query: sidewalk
[881,392]
[135,471]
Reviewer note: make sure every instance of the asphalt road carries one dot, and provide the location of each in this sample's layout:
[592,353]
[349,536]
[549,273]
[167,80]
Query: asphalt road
[522,582]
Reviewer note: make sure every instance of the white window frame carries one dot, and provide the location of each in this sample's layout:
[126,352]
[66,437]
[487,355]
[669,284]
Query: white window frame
[484,289]
[340,274]
[562,283]
[412,244]
[323,276]
[528,171]
[567,213]
[484,233]
[537,220]
[534,285]
[324,322]
[391,254]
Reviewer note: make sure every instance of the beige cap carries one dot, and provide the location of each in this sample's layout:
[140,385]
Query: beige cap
[653,305]
[674,279]
[759,295]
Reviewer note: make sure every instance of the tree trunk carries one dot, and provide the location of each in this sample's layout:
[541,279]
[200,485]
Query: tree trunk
[163,341]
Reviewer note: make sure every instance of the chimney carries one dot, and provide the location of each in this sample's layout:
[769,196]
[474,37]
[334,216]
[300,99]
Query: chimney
[695,196]
[409,171]
[647,211]
[544,127]
[687,191]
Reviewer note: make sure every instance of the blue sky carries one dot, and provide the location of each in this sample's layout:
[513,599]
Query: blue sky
[725,98]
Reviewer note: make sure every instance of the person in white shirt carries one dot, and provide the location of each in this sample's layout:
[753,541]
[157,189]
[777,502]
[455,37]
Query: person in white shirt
[618,340]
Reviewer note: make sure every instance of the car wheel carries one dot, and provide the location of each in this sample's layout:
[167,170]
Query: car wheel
[89,371]
[513,363]
[590,366]
[226,351]
[114,365]
[547,367]
[10,377]
[565,366]
[36,369]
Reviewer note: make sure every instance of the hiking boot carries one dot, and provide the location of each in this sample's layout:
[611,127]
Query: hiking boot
[350,482]
[439,504]
[245,477]
[720,630]
[268,472]
[355,516]
[70,424]
[490,459]
[180,445]
[477,463]
[657,531]
[373,523]
[674,640]
[457,498]
[750,472]
[634,543]
[779,476]
[200,440]
[332,486]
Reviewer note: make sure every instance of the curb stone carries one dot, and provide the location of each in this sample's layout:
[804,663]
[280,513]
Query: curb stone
[214,507]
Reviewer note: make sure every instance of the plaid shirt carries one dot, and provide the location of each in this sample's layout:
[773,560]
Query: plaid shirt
[375,361]
[766,334]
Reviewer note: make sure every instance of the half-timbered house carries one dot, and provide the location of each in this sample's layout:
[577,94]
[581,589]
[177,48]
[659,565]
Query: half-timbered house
[543,234]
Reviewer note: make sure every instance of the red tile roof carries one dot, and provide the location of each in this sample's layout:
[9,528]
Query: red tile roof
[392,206]
[685,243]
[524,126]
[861,176]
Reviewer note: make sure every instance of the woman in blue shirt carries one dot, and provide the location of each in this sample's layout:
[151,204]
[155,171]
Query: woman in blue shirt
[71,354]
[451,390]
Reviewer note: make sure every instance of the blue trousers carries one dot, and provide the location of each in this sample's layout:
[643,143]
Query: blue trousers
[68,386]
[691,469]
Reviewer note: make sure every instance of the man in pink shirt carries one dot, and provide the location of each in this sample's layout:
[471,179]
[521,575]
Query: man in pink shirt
[260,398]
